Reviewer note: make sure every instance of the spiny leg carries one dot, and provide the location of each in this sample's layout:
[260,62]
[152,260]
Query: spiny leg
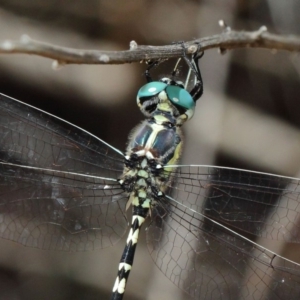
[139,215]
[152,64]
[197,90]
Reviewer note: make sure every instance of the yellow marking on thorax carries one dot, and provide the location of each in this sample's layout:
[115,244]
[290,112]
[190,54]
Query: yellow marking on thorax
[155,130]
[175,158]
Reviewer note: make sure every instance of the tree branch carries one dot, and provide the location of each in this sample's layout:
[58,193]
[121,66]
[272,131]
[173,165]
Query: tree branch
[228,39]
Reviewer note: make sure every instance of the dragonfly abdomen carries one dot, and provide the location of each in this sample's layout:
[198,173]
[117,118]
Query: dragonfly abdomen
[139,215]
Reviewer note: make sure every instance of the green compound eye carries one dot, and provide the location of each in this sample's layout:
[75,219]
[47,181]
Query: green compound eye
[180,97]
[151,89]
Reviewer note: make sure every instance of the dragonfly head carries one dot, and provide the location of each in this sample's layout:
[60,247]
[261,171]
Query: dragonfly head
[168,96]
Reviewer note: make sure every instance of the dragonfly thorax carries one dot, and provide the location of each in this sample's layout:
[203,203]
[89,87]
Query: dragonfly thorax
[154,143]
[156,139]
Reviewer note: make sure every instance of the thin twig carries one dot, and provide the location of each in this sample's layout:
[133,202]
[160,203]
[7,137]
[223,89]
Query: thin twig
[228,39]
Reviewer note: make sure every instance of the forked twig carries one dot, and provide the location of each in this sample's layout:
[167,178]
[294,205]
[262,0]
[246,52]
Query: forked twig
[228,39]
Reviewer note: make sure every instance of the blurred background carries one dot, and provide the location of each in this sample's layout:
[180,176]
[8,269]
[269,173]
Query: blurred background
[248,117]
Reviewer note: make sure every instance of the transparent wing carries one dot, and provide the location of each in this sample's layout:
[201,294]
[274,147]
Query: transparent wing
[58,187]
[194,235]
[261,204]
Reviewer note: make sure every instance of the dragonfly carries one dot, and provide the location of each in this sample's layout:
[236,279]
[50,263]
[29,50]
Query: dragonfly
[63,188]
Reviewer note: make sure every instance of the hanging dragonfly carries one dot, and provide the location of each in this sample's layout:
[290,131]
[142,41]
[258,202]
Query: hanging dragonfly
[62,188]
